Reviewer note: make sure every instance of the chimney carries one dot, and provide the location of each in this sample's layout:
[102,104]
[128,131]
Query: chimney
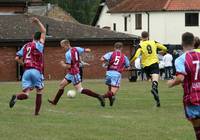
[106,27]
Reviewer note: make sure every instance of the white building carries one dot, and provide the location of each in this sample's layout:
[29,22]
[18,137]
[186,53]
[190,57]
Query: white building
[165,20]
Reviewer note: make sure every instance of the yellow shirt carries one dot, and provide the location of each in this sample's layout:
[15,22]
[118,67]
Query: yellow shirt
[148,50]
[197,50]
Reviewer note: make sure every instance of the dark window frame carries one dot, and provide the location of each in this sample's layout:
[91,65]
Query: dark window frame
[138,21]
[114,26]
[125,23]
[191,19]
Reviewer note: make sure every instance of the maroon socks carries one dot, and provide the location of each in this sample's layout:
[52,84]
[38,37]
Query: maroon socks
[109,94]
[38,103]
[22,96]
[197,132]
[90,93]
[58,95]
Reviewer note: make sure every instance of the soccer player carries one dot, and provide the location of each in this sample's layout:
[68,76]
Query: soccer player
[31,57]
[188,74]
[71,63]
[148,51]
[197,43]
[116,62]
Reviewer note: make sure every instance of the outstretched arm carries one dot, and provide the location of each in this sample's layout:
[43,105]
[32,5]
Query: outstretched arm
[85,63]
[41,27]
[137,54]
[178,80]
[162,47]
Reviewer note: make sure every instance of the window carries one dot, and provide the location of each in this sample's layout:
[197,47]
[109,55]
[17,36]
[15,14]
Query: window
[114,26]
[125,23]
[191,19]
[138,21]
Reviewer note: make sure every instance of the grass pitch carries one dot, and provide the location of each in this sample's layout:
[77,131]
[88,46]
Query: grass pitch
[133,116]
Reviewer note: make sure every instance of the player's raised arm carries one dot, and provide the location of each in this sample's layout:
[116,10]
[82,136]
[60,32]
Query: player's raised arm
[83,50]
[160,46]
[41,27]
[137,54]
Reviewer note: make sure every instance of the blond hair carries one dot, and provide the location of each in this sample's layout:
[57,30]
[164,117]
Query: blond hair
[65,42]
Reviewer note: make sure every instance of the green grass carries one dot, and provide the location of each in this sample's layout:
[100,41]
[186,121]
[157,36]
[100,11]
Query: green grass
[133,116]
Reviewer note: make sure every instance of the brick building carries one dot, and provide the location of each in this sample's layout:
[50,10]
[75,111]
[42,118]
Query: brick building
[16,30]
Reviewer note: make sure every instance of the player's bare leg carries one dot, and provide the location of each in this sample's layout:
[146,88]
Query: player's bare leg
[20,96]
[112,91]
[196,125]
[154,89]
[60,92]
[90,93]
[38,101]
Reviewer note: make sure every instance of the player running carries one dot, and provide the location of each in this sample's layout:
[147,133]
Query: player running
[31,57]
[71,63]
[150,63]
[116,62]
[188,73]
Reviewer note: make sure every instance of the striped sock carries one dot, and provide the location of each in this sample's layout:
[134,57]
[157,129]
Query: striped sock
[109,94]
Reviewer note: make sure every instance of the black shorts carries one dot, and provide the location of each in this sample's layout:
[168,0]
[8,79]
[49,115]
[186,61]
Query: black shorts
[152,69]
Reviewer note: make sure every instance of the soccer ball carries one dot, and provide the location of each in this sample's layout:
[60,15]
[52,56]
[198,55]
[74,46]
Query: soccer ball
[71,93]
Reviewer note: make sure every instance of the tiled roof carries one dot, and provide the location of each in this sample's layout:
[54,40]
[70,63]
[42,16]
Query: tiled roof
[183,5]
[19,27]
[112,3]
[155,5]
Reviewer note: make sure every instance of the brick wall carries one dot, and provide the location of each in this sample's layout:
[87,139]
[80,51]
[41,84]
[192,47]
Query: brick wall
[53,55]
[12,9]
[7,64]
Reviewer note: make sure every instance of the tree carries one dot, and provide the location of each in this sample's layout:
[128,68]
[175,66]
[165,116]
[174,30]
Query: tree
[82,10]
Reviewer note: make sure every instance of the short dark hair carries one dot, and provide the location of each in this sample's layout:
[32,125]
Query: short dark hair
[196,42]
[145,34]
[188,39]
[37,36]
[118,45]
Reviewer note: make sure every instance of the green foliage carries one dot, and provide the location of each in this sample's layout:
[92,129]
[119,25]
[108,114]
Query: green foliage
[82,10]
